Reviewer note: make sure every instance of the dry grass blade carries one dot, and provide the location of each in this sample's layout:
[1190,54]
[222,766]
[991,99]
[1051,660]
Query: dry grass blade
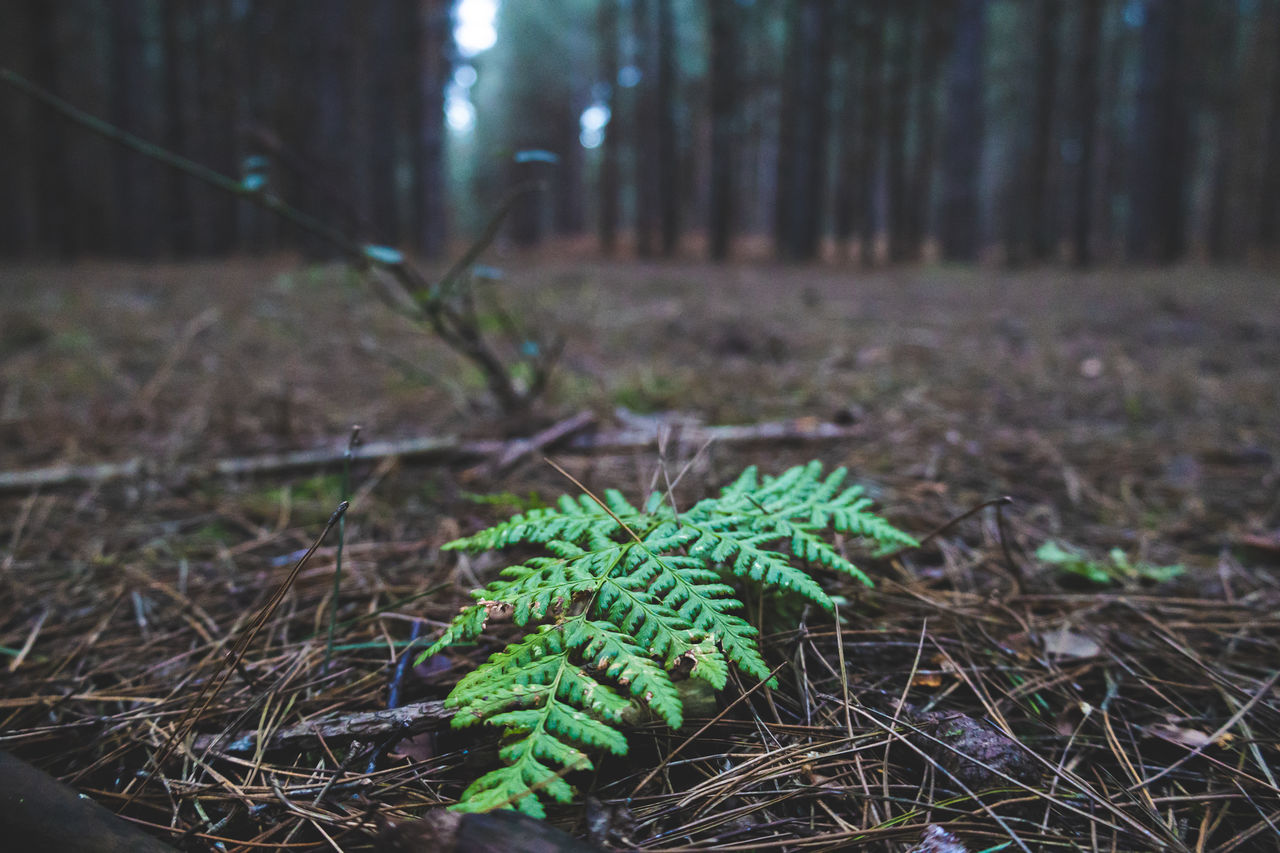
[234,658]
[1120,714]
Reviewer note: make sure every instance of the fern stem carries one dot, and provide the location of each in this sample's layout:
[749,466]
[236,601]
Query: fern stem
[352,442]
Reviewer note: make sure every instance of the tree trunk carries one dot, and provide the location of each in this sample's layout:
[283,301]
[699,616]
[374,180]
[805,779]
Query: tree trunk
[789,118]
[178,220]
[1224,84]
[1268,230]
[668,150]
[386,54]
[962,158]
[1039,213]
[643,140]
[870,144]
[134,183]
[803,135]
[607,38]
[1086,84]
[846,49]
[1012,211]
[331,131]
[21,160]
[257,229]
[217,114]
[569,184]
[723,65]
[899,96]
[936,39]
[432,68]
[1113,139]
[1157,220]
[372,78]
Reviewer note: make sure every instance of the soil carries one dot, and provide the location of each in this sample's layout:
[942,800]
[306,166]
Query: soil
[1133,409]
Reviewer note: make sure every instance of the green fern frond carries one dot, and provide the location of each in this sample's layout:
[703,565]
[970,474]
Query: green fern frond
[626,662]
[636,610]
[747,559]
[623,598]
[684,586]
[547,705]
[709,664]
[466,626]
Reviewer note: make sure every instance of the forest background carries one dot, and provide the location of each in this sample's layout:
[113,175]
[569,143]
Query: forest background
[1013,130]
[1010,262]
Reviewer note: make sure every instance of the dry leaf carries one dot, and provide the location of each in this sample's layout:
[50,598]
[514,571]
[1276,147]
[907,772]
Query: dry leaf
[1190,738]
[1065,643]
[935,839]
[926,679]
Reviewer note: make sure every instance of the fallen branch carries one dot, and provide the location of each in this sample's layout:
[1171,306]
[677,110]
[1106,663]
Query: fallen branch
[520,449]
[424,449]
[406,720]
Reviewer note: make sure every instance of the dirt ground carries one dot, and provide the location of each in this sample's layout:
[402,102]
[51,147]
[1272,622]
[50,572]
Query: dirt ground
[1135,409]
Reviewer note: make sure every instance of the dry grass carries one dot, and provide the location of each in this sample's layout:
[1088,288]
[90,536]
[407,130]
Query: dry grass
[1131,717]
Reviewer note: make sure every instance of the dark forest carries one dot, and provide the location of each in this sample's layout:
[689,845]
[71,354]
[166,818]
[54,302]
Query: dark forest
[592,425]
[1026,131]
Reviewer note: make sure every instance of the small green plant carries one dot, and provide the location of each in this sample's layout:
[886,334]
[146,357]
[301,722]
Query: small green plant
[507,500]
[1116,569]
[621,599]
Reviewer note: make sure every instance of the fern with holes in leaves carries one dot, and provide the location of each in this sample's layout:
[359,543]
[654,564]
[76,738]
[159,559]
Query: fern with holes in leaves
[622,597]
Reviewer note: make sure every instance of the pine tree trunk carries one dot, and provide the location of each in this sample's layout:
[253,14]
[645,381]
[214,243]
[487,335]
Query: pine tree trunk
[1086,84]
[1157,226]
[871,144]
[803,134]
[133,184]
[217,112]
[1222,79]
[899,95]
[178,218]
[1043,239]
[1268,228]
[607,36]
[432,64]
[936,39]
[386,52]
[568,183]
[723,65]
[22,163]
[846,51]
[962,155]
[643,139]
[669,182]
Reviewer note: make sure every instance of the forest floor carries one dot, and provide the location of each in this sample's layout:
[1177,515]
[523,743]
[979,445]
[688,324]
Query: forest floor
[1124,697]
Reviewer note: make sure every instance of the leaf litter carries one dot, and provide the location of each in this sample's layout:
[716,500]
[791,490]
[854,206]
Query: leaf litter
[983,694]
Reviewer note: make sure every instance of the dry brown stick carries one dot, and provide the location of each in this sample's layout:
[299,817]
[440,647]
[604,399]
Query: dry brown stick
[407,719]
[523,448]
[63,475]
[444,448]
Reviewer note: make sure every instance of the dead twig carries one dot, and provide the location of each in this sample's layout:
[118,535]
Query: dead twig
[407,720]
[427,448]
[520,449]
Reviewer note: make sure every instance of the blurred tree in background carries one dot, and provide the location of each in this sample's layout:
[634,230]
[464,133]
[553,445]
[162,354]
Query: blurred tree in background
[1031,131]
